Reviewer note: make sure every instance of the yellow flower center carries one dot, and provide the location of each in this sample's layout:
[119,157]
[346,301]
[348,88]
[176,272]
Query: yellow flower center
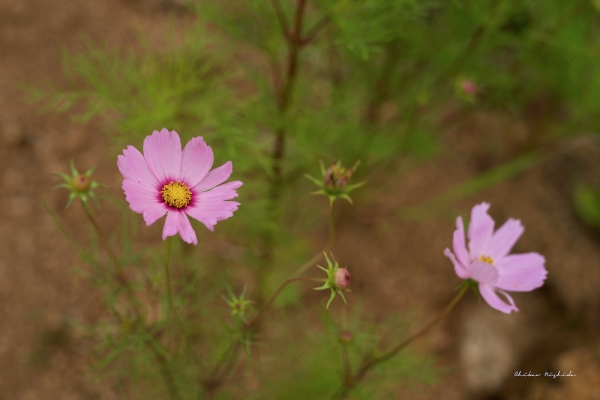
[486,259]
[176,194]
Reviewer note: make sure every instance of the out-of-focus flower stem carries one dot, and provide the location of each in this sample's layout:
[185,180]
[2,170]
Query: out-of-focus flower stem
[102,238]
[293,38]
[370,361]
[172,309]
[117,267]
[274,296]
[165,371]
[347,366]
[284,88]
[327,247]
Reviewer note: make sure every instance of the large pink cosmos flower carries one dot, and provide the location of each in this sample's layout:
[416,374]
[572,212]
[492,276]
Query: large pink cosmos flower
[487,260]
[166,180]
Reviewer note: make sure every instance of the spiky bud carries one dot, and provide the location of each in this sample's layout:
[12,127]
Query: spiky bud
[338,279]
[334,181]
[80,185]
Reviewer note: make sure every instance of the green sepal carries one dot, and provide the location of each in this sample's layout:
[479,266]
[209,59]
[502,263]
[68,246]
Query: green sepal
[73,169]
[330,299]
[325,286]
[315,180]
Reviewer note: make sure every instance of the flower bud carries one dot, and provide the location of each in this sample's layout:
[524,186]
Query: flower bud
[338,279]
[335,181]
[336,177]
[342,279]
[468,87]
[81,183]
[346,337]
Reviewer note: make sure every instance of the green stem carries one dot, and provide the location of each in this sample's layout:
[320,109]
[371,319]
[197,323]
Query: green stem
[167,275]
[166,373]
[369,362]
[170,297]
[102,238]
[331,226]
[294,43]
[117,267]
[347,365]
[327,247]
[217,375]
[274,296]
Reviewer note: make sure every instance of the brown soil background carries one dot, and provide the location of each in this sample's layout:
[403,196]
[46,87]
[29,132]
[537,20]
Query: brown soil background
[557,328]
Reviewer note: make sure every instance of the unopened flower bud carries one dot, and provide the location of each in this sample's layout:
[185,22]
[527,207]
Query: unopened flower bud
[81,183]
[335,181]
[336,177]
[346,337]
[468,87]
[338,279]
[342,278]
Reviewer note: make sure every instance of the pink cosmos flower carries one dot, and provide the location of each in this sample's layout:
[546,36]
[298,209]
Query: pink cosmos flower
[487,261]
[166,180]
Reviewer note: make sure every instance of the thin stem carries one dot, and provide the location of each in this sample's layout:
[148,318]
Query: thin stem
[314,30]
[331,226]
[274,296]
[107,246]
[169,296]
[284,95]
[166,373]
[216,377]
[281,18]
[347,366]
[327,247]
[167,275]
[369,362]
[117,267]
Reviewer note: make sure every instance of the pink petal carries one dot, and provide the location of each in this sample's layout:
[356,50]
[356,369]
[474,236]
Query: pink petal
[458,268]
[214,177]
[154,213]
[186,232]
[211,207]
[162,151]
[483,272]
[172,224]
[521,272]
[139,196]
[492,298]
[481,228]
[458,243]
[505,238]
[197,159]
[134,168]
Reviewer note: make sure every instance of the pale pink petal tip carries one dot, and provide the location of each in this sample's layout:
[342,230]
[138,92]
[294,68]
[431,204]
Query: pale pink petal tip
[491,297]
